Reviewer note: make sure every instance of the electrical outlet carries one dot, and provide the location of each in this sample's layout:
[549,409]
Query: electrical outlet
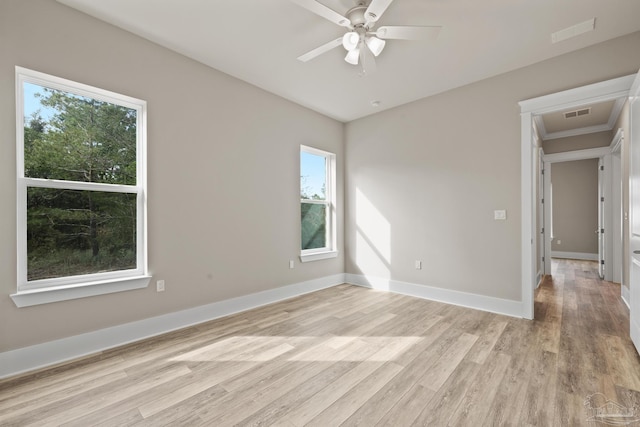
[291,263]
[559,241]
[160,286]
[418,265]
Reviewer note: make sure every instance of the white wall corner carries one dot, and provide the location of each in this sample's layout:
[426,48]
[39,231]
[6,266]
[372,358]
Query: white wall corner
[479,302]
[39,356]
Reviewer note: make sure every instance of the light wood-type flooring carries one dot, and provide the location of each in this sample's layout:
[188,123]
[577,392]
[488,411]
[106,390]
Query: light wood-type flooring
[353,356]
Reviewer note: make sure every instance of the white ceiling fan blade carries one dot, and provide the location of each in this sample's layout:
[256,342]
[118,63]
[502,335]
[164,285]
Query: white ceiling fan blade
[376,9]
[320,50]
[324,11]
[408,33]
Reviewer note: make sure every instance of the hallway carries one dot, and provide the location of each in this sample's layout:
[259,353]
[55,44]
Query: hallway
[583,324]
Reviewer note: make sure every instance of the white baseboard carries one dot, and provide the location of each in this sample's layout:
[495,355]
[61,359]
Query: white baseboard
[539,279]
[464,299]
[38,356]
[574,255]
[624,294]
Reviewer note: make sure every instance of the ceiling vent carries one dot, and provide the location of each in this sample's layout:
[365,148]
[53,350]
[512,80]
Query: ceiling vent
[577,113]
[574,31]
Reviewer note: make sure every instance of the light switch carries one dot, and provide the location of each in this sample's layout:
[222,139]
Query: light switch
[500,215]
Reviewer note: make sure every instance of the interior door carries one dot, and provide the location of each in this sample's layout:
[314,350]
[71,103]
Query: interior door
[634,208]
[600,229]
[616,217]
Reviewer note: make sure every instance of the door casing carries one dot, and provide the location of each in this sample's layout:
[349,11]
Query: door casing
[573,98]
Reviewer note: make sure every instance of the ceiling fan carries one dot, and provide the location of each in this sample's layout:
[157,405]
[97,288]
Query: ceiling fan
[362,43]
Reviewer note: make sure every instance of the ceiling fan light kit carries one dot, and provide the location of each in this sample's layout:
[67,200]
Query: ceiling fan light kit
[350,40]
[353,56]
[361,41]
[375,45]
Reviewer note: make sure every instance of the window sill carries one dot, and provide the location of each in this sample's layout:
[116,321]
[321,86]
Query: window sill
[318,256]
[81,290]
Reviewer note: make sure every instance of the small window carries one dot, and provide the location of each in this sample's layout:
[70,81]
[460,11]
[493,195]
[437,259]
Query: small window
[81,189]
[317,204]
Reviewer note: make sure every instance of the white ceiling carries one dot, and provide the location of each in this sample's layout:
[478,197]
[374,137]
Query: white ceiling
[258,41]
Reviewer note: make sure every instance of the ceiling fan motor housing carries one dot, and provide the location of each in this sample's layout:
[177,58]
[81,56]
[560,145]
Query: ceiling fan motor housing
[357,16]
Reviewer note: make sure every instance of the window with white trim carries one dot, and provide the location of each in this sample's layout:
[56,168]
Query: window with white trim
[317,204]
[81,190]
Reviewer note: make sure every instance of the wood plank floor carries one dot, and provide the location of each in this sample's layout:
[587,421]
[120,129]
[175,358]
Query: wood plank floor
[352,356]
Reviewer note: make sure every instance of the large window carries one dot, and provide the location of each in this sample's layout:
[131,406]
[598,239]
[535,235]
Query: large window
[317,204]
[81,190]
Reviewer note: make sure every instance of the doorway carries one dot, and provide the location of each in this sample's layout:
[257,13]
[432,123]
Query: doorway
[574,98]
[599,196]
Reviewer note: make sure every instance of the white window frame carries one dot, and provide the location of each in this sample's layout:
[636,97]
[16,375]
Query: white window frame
[43,291]
[329,251]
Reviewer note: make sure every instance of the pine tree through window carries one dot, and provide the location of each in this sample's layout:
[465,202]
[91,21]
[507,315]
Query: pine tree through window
[317,208]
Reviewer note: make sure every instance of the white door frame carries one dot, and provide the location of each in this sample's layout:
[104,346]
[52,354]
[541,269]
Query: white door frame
[617,242]
[603,153]
[602,217]
[544,222]
[634,215]
[573,98]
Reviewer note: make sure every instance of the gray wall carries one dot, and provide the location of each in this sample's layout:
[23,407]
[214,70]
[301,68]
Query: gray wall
[436,169]
[575,206]
[223,172]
